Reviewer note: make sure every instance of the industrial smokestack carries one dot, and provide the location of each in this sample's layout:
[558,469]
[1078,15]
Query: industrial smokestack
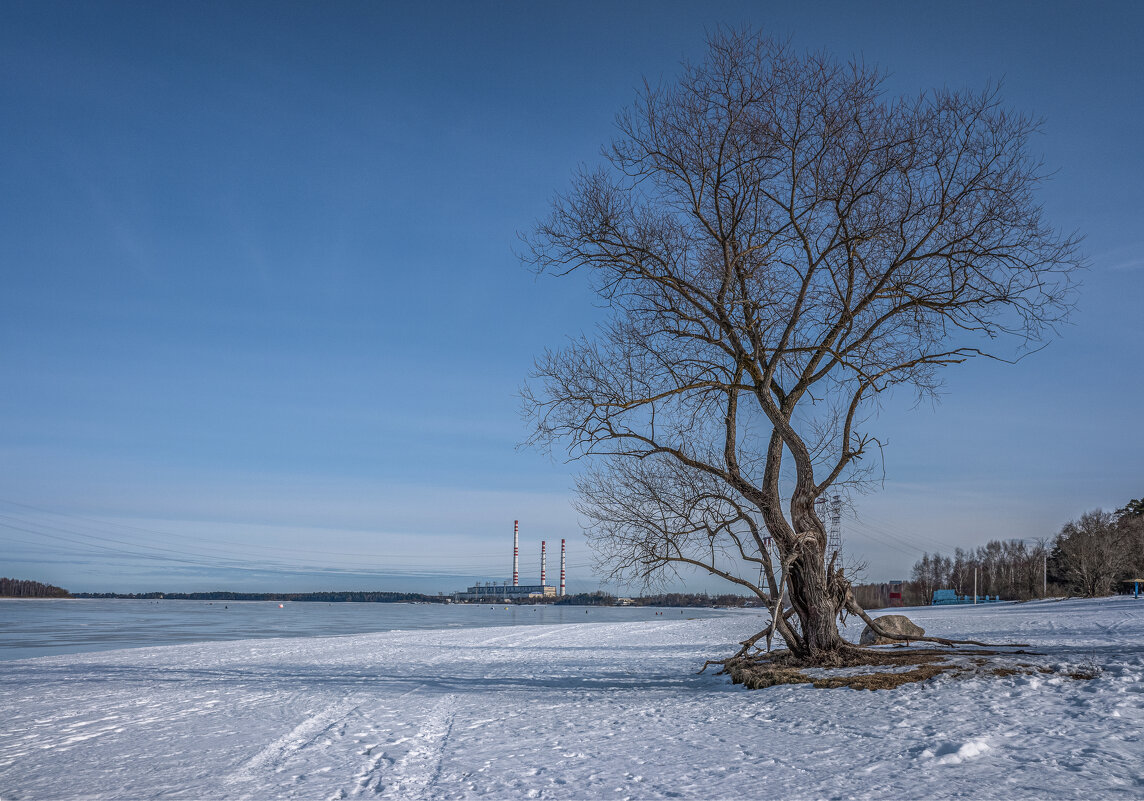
[543,565]
[515,552]
[561,568]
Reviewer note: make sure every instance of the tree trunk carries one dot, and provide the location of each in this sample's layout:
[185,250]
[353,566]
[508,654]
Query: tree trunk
[814,605]
[810,591]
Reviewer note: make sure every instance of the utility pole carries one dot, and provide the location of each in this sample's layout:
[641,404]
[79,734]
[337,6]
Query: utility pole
[975,586]
[1045,576]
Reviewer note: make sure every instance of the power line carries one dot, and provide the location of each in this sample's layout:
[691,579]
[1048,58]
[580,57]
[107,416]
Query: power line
[261,560]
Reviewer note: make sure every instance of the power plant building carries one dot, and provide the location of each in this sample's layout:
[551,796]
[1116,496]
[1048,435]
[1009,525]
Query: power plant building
[505,592]
[492,592]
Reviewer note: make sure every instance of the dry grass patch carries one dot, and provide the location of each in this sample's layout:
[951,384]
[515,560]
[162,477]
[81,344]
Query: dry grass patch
[780,667]
[882,681]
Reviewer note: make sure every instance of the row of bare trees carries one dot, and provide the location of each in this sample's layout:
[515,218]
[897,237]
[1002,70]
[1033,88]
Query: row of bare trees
[1090,556]
[1011,569]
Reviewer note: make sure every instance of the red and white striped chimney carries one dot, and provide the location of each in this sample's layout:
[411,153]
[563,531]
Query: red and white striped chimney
[543,565]
[515,552]
[561,568]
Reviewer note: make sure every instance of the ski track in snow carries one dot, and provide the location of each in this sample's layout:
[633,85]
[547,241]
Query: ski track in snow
[416,775]
[591,710]
[276,756]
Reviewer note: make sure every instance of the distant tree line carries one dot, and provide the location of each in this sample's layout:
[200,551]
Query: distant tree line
[1090,556]
[687,599]
[22,588]
[1010,569]
[681,599]
[598,598]
[369,597]
[586,599]
[329,597]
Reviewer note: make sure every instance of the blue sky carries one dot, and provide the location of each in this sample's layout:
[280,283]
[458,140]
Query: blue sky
[261,324]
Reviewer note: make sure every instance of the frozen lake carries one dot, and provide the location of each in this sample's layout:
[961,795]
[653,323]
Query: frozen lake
[596,711]
[45,627]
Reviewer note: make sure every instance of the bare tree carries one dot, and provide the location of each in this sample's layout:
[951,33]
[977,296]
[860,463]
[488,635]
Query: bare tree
[1093,552]
[961,572]
[931,573]
[779,243]
[1130,522]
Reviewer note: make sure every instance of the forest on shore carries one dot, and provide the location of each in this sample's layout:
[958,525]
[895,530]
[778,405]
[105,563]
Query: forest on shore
[225,595]
[22,588]
[1095,555]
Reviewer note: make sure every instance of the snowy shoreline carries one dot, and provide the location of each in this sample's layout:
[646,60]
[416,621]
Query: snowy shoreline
[586,710]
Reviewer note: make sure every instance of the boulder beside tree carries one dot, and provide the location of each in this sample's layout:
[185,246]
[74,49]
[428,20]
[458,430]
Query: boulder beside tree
[891,624]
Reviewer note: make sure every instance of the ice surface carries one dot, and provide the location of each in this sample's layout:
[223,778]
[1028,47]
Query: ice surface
[48,627]
[592,710]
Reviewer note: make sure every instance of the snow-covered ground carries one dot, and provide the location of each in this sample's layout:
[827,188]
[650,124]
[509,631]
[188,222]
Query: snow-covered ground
[593,710]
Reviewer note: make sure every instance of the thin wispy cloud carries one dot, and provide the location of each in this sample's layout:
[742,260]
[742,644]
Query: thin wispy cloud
[1122,259]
